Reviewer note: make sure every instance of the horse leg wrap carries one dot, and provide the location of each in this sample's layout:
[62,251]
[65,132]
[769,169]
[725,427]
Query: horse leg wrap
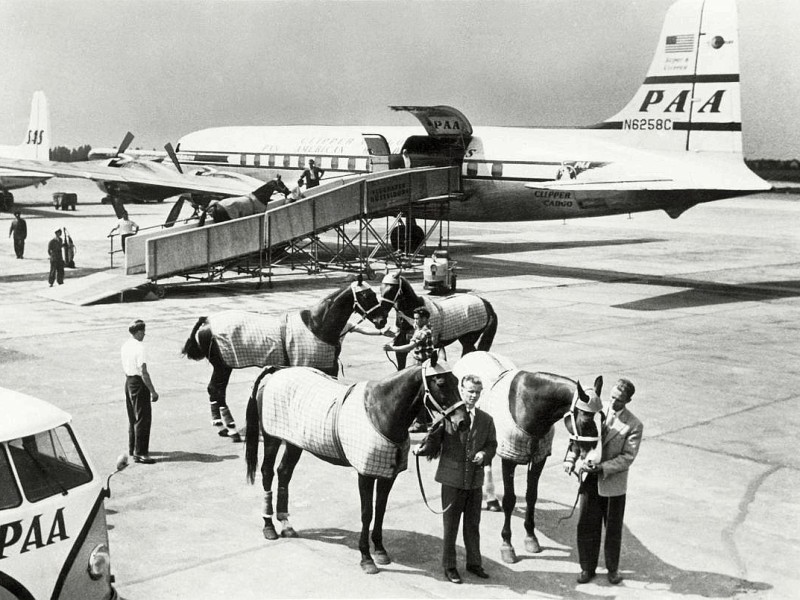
[267,510]
[216,419]
[283,503]
[230,426]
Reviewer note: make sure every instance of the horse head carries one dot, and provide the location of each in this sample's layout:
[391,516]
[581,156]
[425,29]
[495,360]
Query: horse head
[366,303]
[584,421]
[442,397]
[397,293]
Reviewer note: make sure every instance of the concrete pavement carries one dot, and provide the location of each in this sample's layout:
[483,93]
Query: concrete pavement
[701,313]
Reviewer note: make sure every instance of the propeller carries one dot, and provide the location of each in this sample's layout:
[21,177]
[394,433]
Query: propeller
[126,141]
[173,157]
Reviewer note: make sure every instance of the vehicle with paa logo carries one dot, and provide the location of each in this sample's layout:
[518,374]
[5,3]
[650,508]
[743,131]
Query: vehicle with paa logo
[439,273]
[53,532]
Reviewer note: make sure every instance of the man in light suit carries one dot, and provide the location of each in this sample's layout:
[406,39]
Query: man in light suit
[603,492]
[464,454]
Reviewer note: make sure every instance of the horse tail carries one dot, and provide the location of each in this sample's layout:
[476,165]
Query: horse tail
[487,335]
[253,427]
[192,348]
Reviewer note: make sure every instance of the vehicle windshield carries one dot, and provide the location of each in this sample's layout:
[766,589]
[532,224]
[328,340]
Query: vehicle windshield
[49,463]
[9,493]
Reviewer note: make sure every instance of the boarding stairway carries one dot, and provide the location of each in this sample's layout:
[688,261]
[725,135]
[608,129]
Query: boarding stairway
[255,241]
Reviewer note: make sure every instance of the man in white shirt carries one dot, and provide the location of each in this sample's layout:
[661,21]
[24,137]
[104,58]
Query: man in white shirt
[139,393]
[125,228]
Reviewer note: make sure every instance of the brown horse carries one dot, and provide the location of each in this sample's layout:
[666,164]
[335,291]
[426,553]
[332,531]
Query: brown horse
[466,318]
[312,337]
[524,406]
[364,426]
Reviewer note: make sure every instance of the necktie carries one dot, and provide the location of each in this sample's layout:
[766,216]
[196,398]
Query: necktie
[470,419]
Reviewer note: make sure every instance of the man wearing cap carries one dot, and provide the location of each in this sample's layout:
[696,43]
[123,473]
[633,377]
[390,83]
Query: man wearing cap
[464,454]
[139,393]
[603,492]
[311,175]
[19,229]
[56,259]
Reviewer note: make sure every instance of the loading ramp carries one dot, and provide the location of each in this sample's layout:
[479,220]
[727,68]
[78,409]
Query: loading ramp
[294,231]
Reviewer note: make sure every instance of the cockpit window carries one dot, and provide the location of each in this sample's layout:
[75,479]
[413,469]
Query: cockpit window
[9,492]
[49,463]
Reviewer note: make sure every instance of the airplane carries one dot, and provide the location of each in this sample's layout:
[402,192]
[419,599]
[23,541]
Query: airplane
[35,146]
[129,178]
[676,144]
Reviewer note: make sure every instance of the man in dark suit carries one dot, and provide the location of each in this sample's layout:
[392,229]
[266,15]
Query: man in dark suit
[464,454]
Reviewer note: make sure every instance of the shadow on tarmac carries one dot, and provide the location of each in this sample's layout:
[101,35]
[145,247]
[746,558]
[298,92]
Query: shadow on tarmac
[422,553]
[181,456]
[700,293]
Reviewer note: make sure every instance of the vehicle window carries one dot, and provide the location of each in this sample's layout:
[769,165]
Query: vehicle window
[49,463]
[497,170]
[9,493]
[287,161]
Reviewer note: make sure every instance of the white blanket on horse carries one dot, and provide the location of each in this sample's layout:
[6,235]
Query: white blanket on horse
[329,419]
[247,339]
[454,316]
[497,372]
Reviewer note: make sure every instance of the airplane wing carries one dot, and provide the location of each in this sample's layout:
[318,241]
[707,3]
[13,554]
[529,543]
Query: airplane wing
[133,172]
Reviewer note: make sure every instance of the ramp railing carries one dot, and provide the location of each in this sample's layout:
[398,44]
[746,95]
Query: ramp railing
[376,194]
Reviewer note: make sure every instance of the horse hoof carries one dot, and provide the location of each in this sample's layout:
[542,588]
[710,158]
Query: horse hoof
[493,506]
[507,554]
[368,566]
[270,533]
[236,438]
[381,557]
[289,532]
[532,545]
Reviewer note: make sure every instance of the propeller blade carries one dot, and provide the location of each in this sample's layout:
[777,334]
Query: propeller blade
[125,143]
[173,157]
[172,217]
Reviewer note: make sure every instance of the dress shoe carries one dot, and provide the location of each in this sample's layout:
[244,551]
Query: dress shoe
[585,577]
[614,578]
[452,575]
[478,571]
[493,506]
[145,460]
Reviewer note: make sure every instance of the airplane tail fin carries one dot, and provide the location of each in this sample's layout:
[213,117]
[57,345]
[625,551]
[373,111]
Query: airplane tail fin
[690,98]
[36,145]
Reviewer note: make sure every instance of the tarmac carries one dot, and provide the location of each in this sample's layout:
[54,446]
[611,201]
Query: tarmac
[702,313]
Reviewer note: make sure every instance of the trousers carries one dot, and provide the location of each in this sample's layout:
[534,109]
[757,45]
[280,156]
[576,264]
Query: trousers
[597,511]
[56,272]
[140,415]
[467,502]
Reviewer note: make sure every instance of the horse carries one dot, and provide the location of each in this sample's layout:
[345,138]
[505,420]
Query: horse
[312,337]
[236,207]
[467,318]
[364,425]
[525,406]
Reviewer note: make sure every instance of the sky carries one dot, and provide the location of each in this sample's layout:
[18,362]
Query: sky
[164,68]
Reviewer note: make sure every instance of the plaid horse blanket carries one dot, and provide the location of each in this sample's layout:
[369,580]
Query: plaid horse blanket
[454,316]
[497,372]
[247,339]
[329,419]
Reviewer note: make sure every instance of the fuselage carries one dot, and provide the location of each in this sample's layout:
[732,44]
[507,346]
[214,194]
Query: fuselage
[507,172]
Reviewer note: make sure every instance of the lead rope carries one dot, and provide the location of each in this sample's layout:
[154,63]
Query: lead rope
[422,491]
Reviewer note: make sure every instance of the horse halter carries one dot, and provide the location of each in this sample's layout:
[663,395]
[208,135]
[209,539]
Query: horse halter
[578,404]
[355,287]
[430,403]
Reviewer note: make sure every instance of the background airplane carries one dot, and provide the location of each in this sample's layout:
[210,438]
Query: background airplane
[35,146]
